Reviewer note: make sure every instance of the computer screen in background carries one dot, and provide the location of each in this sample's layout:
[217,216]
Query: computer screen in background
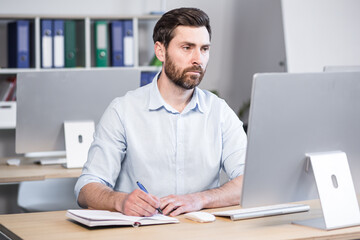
[46,99]
[292,115]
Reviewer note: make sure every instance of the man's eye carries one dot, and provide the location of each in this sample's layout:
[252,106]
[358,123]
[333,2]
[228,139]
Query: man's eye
[186,47]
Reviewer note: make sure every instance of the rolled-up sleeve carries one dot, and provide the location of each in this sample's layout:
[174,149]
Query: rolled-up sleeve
[234,143]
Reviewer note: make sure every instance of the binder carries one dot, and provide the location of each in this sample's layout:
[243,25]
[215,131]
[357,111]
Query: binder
[101,44]
[70,43]
[19,44]
[46,44]
[116,43]
[146,78]
[128,43]
[80,43]
[58,44]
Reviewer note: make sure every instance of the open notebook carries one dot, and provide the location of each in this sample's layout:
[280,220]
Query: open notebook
[94,218]
[271,210]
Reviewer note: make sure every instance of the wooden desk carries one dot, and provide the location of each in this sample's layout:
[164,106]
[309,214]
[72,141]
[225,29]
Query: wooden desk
[55,225]
[28,171]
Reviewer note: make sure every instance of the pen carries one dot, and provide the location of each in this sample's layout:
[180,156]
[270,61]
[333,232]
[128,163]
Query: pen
[144,189]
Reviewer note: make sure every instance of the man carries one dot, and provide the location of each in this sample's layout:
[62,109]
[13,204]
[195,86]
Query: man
[169,135]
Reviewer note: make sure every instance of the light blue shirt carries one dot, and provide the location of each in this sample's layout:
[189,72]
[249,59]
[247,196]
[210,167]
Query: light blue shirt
[142,138]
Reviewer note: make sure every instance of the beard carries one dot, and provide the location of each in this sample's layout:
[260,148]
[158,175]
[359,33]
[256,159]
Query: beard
[182,77]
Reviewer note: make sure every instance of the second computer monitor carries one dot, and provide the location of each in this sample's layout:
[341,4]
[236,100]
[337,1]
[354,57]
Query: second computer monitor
[46,99]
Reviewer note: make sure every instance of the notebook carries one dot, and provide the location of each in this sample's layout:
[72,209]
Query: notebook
[255,212]
[95,218]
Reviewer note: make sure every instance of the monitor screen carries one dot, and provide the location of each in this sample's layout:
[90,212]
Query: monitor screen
[46,99]
[292,115]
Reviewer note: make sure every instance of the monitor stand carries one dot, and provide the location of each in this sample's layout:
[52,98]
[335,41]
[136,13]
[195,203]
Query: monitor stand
[336,191]
[78,138]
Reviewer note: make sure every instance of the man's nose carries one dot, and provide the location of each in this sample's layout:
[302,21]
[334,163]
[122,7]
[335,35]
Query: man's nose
[197,57]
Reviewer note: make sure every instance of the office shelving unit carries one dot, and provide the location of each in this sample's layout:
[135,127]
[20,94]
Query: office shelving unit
[143,49]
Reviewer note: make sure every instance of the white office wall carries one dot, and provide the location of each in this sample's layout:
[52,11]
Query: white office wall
[321,33]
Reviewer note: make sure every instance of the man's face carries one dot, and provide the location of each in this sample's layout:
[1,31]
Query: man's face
[187,56]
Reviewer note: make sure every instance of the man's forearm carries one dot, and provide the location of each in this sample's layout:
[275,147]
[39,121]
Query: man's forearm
[98,196]
[227,195]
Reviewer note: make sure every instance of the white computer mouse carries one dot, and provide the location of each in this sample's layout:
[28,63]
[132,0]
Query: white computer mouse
[200,216]
[13,162]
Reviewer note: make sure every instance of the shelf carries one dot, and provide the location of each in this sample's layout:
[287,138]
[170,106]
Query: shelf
[142,39]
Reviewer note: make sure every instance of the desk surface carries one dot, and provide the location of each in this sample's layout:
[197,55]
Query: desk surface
[55,225]
[28,171]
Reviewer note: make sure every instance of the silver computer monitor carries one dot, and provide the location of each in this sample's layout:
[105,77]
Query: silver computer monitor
[292,115]
[45,99]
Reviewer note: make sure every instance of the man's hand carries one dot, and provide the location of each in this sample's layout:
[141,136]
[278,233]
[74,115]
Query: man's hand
[139,203]
[174,205]
[227,195]
[99,196]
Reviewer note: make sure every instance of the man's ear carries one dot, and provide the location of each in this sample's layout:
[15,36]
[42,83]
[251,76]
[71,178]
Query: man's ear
[159,50]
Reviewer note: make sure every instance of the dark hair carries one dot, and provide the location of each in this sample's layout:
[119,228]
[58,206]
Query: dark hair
[164,28]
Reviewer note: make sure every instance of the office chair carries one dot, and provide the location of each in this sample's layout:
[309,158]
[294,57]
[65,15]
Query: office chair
[47,195]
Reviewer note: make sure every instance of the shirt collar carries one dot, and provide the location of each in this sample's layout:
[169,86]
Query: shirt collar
[156,101]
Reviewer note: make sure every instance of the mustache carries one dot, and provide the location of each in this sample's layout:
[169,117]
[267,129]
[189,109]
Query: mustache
[194,68]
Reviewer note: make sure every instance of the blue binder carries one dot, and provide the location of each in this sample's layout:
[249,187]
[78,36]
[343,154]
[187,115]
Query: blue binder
[116,43]
[46,44]
[19,44]
[146,78]
[128,43]
[58,44]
